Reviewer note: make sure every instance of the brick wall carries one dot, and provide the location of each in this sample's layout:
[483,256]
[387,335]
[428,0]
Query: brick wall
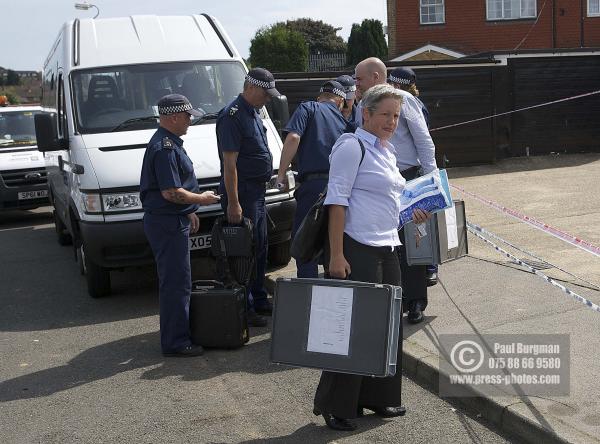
[392,30]
[467,30]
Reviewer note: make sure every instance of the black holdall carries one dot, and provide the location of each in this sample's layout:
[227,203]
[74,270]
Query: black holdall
[233,247]
[218,315]
[310,239]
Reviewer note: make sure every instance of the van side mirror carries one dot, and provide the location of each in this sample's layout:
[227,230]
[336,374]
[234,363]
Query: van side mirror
[46,133]
[279,112]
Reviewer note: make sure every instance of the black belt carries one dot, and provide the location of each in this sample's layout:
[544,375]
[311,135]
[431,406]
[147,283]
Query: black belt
[313,176]
[254,182]
[410,173]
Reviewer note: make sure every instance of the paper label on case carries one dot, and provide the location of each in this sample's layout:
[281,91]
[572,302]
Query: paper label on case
[330,320]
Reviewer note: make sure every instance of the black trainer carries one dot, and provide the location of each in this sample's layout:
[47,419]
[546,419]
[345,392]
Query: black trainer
[264,309]
[255,320]
[432,279]
[186,352]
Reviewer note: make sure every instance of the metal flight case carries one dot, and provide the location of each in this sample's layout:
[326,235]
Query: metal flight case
[337,325]
[446,238]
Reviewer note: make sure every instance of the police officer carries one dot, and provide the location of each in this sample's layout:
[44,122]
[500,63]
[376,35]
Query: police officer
[312,131]
[169,194]
[349,109]
[246,167]
[406,79]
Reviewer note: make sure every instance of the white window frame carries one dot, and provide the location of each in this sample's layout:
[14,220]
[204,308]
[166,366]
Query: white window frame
[589,12]
[487,12]
[440,2]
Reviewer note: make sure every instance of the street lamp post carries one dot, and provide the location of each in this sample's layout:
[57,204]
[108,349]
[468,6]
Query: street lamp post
[85,6]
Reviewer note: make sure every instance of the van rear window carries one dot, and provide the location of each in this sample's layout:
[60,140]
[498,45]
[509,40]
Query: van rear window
[105,98]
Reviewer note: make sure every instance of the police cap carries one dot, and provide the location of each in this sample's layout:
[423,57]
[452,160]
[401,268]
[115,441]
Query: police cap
[349,85]
[264,79]
[176,103]
[333,87]
[402,76]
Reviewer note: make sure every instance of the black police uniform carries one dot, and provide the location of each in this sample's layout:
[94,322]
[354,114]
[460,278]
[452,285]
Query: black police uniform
[240,129]
[354,121]
[319,124]
[167,227]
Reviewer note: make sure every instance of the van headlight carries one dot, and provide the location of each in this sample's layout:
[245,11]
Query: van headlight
[121,202]
[91,202]
[111,203]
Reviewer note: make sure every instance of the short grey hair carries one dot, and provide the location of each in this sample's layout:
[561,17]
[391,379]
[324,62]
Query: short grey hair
[375,94]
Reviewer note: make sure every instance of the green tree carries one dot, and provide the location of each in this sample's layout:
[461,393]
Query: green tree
[366,40]
[354,44]
[279,49]
[320,37]
[12,78]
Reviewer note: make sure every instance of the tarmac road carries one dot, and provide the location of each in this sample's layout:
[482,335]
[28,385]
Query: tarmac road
[75,369]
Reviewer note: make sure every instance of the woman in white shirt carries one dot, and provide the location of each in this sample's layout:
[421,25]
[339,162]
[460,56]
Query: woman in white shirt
[363,196]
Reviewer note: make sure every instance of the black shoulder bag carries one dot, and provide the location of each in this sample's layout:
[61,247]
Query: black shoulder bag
[310,239]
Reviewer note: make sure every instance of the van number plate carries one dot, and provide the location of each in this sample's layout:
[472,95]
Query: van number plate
[200,242]
[23,195]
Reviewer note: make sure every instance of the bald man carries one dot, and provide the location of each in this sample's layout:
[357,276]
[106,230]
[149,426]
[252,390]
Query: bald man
[368,73]
[415,153]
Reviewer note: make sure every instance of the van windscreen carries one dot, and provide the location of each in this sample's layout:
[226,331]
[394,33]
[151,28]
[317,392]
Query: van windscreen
[16,128]
[122,98]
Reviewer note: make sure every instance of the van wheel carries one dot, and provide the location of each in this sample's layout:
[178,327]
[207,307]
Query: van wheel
[97,277]
[279,254]
[62,235]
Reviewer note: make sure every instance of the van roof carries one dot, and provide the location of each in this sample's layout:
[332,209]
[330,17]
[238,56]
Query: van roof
[146,39]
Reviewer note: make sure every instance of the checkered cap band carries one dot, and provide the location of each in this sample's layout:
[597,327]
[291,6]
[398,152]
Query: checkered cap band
[336,91]
[261,83]
[399,80]
[164,110]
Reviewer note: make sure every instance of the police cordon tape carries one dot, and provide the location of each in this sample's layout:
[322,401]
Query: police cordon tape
[566,237]
[539,105]
[522,250]
[548,279]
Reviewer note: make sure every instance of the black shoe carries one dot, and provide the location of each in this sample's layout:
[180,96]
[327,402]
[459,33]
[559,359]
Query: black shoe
[335,423]
[432,279]
[264,309]
[186,352]
[415,315]
[255,320]
[388,412]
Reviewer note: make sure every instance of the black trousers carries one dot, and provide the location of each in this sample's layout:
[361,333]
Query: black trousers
[414,277]
[341,394]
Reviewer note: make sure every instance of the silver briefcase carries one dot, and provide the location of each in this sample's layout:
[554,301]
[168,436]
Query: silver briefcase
[446,238]
[337,325]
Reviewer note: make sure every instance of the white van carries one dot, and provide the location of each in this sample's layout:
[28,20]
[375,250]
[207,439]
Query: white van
[101,82]
[22,169]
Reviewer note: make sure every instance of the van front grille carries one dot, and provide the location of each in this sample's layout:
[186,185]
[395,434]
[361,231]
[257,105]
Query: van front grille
[19,178]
